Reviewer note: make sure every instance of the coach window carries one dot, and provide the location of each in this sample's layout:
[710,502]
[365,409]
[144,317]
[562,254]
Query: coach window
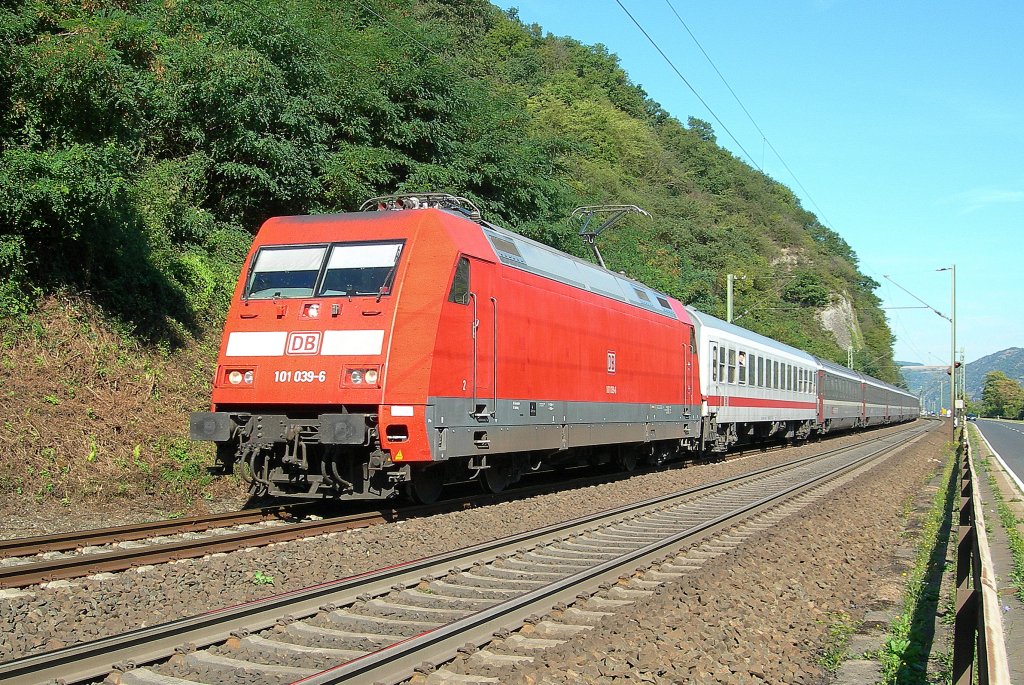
[732,365]
[459,293]
[721,365]
[775,375]
[714,363]
[742,363]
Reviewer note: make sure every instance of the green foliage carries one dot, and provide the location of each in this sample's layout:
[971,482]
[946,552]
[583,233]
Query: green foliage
[1002,397]
[143,143]
[840,629]
[904,655]
[1007,517]
[183,469]
[260,577]
[806,289]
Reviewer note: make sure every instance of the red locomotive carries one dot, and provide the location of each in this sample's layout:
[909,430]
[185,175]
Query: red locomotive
[395,350]
[413,345]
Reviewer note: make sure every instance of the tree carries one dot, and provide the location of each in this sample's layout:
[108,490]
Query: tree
[1002,397]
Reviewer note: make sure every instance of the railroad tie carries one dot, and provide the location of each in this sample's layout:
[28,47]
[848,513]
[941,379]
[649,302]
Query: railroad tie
[205,658]
[445,677]
[144,676]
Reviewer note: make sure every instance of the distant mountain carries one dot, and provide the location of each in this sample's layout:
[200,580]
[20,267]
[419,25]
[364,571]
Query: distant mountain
[1010,361]
[932,382]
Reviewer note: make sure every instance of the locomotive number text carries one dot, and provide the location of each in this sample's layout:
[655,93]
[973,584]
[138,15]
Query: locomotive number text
[300,376]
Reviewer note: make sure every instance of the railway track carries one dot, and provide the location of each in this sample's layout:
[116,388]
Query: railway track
[62,542]
[544,585]
[28,561]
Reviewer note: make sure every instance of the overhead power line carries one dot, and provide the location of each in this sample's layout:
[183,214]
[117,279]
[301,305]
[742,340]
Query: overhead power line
[688,84]
[764,138]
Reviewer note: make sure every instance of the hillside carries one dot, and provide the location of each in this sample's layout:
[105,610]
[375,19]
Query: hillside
[144,143]
[928,381]
[1010,361]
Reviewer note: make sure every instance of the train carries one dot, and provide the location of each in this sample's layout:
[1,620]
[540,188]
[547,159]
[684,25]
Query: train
[410,345]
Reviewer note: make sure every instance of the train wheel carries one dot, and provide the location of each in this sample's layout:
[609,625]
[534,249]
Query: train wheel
[497,477]
[426,484]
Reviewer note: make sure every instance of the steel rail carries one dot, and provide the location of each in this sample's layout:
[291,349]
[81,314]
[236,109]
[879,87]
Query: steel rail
[98,658]
[397,663]
[20,575]
[30,573]
[62,542]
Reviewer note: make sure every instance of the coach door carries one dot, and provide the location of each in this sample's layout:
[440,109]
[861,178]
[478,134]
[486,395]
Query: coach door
[719,389]
[821,396]
[688,371]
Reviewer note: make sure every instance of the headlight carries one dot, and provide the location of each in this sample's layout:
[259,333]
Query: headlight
[241,377]
[362,376]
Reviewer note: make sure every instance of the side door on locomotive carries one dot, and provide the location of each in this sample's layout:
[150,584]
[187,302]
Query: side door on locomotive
[471,324]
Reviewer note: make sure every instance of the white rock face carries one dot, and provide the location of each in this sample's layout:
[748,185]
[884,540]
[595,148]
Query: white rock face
[839,319]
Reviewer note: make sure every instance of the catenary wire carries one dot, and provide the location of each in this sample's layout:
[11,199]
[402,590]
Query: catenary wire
[764,138]
[688,85]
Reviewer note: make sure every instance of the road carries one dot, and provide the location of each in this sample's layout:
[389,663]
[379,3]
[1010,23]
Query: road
[1007,439]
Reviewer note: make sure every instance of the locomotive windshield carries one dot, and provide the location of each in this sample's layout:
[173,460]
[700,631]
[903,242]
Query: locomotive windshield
[366,269]
[285,272]
[339,269]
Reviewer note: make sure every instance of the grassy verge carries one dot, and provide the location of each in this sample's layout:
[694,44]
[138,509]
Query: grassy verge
[94,415]
[1009,520]
[840,629]
[904,657]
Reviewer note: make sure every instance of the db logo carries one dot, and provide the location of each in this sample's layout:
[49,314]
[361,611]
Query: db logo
[303,343]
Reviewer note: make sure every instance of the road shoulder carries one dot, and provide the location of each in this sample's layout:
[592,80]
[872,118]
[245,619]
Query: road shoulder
[994,478]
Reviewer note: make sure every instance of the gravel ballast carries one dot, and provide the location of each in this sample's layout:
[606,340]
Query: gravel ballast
[839,565]
[762,612]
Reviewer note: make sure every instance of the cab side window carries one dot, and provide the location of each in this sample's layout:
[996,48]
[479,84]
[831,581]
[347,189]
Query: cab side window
[459,293]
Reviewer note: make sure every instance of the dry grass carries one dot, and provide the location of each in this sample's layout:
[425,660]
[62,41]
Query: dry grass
[92,415]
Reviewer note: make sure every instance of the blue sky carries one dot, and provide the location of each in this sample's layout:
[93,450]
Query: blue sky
[903,121]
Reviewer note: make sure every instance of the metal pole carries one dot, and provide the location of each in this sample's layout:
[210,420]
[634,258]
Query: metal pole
[729,279]
[952,344]
[952,348]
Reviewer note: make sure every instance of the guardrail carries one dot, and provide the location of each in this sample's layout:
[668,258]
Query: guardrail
[978,629]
